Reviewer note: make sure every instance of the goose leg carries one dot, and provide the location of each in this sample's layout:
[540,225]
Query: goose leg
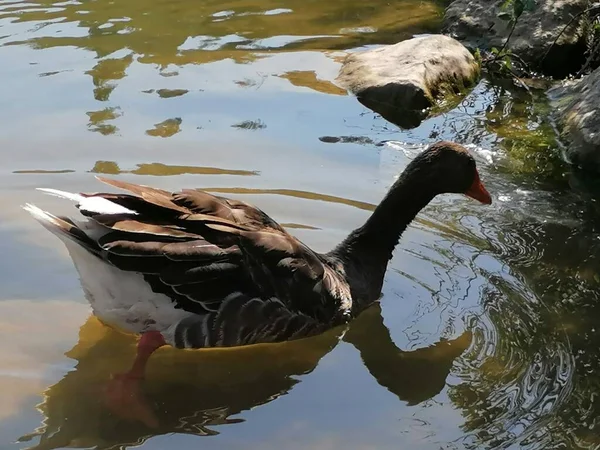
[148,344]
[123,395]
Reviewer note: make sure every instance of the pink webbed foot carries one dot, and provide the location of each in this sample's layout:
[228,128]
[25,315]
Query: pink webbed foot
[124,398]
[123,395]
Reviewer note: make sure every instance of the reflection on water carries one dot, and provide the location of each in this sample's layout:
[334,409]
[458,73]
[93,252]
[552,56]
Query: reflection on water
[166,33]
[169,93]
[33,171]
[487,331]
[158,169]
[98,119]
[512,371]
[196,392]
[294,193]
[166,128]
[155,169]
[310,79]
[250,125]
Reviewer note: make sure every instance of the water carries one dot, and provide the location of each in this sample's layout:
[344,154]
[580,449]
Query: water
[486,336]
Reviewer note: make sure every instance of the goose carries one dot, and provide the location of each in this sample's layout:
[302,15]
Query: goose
[193,270]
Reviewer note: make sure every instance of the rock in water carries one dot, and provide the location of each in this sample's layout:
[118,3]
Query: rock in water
[577,119]
[483,24]
[399,81]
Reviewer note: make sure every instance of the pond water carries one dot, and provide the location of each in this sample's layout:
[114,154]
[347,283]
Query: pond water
[487,332]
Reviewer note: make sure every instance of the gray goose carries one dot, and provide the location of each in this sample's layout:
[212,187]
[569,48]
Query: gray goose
[195,270]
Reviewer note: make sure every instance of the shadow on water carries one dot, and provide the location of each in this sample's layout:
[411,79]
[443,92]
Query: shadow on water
[196,392]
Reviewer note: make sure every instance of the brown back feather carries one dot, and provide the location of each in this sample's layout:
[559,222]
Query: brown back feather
[198,248]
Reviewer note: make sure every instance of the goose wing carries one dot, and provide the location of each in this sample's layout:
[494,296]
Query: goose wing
[199,249]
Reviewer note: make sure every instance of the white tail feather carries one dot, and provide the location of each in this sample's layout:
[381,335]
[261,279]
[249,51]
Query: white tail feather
[63,194]
[49,221]
[96,205]
[40,215]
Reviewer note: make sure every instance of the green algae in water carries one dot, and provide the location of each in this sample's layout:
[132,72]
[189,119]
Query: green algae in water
[521,121]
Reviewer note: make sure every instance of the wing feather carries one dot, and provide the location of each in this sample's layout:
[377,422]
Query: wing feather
[208,252]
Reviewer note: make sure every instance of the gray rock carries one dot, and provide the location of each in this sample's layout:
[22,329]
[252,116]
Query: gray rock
[577,119]
[400,81]
[477,25]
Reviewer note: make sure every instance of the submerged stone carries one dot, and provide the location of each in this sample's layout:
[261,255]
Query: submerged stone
[401,81]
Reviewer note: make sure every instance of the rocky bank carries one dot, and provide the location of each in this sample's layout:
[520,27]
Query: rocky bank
[483,24]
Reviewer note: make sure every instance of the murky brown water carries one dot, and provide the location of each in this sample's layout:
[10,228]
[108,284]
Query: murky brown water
[486,336]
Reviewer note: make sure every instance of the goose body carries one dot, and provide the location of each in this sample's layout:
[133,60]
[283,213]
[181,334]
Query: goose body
[197,270]
[203,270]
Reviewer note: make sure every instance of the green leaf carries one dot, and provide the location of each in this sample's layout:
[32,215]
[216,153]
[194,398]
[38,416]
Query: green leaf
[503,15]
[518,7]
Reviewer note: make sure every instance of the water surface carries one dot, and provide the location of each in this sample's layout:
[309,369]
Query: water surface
[486,335]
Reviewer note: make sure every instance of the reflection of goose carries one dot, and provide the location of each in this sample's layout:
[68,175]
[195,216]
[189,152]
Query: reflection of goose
[194,270]
[213,387]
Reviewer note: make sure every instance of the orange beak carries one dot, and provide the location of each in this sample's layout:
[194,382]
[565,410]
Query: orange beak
[478,191]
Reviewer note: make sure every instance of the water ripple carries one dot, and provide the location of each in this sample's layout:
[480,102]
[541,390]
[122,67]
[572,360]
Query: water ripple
[519,372]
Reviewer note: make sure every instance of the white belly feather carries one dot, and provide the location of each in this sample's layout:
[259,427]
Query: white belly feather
[122,299]
[119,298]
